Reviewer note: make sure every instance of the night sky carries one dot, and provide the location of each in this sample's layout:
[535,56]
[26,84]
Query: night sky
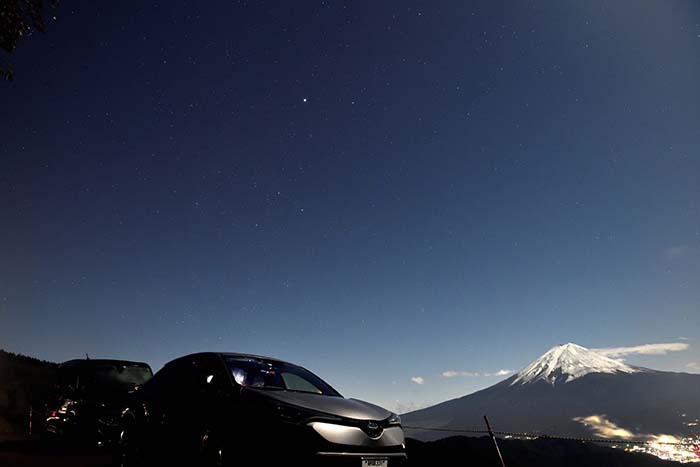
[380,191]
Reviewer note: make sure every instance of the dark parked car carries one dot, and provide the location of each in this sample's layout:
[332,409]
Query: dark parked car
[234,409]
[89,398]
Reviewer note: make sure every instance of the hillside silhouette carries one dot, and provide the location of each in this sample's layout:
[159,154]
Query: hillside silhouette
[24,382]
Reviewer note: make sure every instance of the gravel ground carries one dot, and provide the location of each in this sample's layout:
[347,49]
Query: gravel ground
[30,453]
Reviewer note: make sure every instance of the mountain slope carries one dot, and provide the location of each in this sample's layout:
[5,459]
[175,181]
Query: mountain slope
[549,400]
[459,451]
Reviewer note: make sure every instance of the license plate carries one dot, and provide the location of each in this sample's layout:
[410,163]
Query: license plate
[375,462]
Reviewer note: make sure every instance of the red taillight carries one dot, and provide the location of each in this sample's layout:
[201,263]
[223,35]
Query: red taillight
[53,413]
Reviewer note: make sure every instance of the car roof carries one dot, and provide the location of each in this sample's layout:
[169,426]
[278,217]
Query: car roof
[233,354]
[223,355]
[102,361]
[243,355]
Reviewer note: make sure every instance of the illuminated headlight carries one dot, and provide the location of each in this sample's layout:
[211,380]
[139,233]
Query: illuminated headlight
[394,419]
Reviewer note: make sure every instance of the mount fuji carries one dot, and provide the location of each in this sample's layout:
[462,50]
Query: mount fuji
[565,363]
[574,391]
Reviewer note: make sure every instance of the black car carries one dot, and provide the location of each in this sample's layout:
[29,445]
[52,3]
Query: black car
[235,409]
[89,397]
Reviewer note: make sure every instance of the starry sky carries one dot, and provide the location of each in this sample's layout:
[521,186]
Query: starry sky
[380,191]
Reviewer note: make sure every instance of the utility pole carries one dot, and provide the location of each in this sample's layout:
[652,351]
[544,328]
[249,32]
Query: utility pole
[495,443]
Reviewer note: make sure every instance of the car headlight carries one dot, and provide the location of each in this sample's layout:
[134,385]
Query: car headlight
[394,419]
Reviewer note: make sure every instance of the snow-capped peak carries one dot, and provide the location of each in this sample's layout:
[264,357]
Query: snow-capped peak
[565,363]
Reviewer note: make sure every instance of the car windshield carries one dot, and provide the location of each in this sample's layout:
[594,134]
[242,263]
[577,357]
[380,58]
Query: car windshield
[117,375]
[264,374]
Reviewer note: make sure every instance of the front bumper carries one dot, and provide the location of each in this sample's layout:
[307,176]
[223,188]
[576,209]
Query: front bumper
[348,445]
[354,456]
[391,437]
[314,443]
[354,459]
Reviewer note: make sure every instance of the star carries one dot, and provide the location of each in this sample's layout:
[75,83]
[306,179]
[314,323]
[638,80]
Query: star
[305,100]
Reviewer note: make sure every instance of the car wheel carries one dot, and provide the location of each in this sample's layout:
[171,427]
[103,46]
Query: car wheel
[127,453]
[211,452]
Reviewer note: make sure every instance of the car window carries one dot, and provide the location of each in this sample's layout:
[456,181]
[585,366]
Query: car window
[261,373]
[110,375]
[67,376]
[297,383]
[211,372]
[161,381]
[186,376]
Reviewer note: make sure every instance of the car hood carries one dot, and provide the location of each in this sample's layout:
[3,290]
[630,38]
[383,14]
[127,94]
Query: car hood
[331,405]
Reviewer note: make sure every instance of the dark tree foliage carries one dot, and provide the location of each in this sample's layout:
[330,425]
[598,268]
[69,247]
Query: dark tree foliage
[17,19]
[24,382]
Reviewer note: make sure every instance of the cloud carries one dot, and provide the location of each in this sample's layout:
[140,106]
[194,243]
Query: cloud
[683,338]
[604,427]
[645,349]
[473,374]
[410,406]
[693,366]
[418,379]
[500,373]
[677,251]
[454,374]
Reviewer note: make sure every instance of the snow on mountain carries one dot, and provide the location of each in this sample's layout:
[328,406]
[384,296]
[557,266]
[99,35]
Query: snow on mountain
[565,363]
[637,399]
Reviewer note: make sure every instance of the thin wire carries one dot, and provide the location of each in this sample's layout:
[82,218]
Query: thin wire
[546,436]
